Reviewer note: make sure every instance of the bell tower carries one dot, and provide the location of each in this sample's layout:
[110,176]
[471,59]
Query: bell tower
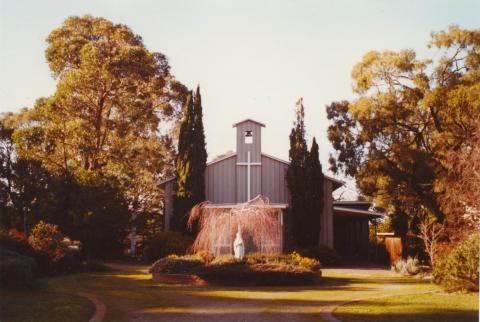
[249,158]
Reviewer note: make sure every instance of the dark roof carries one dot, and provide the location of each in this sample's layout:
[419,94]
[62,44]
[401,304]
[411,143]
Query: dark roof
[336,183]
[249,120]
[361,205]
[350,212]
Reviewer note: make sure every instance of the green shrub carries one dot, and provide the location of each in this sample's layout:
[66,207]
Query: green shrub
[294,259]
[15,269]
[459,269]
[304,262]
[205,256]
[411,266]
[17,242]
[52,252]
[259,258]
[174,264]
[326,255]
[225,260]
[166,243]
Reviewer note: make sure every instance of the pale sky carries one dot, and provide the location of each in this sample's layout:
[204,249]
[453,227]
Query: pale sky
[252,59]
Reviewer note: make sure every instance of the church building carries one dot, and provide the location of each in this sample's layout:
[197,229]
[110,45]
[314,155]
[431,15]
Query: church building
[238,177]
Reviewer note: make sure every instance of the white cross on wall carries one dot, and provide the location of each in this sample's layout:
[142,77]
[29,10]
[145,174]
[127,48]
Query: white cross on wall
[249,164]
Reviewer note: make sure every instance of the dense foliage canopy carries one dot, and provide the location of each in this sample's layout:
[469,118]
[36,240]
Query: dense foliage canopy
[92,155]
[409,114]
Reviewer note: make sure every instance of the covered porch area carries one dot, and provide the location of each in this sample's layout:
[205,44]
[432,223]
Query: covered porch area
[351,228]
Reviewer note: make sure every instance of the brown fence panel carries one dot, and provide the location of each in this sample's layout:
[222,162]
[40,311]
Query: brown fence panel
[394,248]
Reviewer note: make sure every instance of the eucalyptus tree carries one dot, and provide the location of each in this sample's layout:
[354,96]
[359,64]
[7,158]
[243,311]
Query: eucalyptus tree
[408,114]
[106,119]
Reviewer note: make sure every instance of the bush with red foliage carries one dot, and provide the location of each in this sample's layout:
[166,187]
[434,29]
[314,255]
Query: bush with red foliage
[46,245]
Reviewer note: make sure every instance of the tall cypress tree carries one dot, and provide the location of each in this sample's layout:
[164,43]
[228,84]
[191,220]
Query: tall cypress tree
[182,193]
[190,163]
[314,193]
[296,177]
[199,155]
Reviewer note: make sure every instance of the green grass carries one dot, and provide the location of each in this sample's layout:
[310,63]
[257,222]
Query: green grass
[436,307]
[38,305]
[129,294]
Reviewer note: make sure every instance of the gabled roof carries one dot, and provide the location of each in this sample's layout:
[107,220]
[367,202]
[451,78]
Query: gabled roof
[225,157]
[336,183]
[249,120]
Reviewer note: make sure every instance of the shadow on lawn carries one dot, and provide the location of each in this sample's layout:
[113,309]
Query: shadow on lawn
[440,315]
[130,294]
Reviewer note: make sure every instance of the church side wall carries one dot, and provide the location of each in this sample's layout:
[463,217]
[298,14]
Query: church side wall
[326,230]
[274,184]
[220,181]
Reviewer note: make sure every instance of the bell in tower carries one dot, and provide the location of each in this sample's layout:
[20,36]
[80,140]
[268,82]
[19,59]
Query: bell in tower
[249,158]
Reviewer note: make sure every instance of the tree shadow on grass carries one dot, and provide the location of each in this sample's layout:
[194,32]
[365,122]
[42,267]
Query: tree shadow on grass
[439,316]
[420,307]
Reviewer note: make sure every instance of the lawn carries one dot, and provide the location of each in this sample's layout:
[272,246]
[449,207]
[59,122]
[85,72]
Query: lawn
[426,307]
[129,294]
[35,304]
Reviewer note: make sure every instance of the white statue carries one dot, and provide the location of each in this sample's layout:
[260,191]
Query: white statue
[238,246]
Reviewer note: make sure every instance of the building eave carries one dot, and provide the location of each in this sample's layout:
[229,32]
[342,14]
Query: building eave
[351,202]
[232,205]
[360,205]
[356,212]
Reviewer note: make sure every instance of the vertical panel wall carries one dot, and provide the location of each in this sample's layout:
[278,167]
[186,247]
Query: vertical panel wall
[326,229]
[255,147]
[220,181]
[274,184]
[168,203]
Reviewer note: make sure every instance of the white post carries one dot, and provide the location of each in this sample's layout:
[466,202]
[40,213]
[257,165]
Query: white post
[248,175]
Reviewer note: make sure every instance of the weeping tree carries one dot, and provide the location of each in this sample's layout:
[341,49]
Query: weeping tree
[190,164]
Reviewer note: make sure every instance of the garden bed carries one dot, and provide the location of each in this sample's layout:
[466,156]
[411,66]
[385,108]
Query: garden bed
[256,269]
